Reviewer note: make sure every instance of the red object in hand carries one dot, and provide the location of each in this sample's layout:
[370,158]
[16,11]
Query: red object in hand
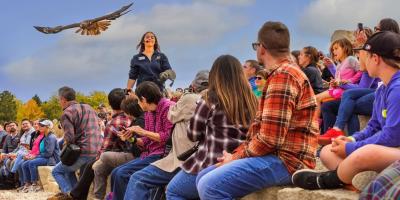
[326,138]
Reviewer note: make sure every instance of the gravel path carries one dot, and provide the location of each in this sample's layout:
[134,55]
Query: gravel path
[14,195]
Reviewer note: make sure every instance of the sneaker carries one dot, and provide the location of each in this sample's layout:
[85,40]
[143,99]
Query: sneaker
[20,188]
[26,189]
[326,138]
[362,179]
[36,188]
[314,180]
[109,196]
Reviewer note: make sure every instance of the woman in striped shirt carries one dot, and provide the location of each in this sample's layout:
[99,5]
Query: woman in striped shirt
[219,124]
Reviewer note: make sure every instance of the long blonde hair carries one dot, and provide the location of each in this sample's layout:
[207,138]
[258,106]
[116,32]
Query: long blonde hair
[230,91]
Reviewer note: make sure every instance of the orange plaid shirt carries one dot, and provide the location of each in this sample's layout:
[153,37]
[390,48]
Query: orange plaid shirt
[285,124]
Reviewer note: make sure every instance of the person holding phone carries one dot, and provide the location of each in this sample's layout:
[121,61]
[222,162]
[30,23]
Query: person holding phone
[152,138]
[112,153]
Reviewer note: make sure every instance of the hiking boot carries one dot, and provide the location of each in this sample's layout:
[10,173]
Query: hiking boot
[61,196]
[362,179]
[314,180]
[55,197]
[326,138]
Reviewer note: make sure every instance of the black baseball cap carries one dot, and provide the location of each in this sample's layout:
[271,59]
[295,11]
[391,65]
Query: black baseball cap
[384,43]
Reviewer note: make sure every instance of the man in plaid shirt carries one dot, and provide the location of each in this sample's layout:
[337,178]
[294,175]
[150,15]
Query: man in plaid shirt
[283,137]
[80,124]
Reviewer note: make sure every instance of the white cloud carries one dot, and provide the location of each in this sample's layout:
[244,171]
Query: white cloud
[102,62]
[322,17]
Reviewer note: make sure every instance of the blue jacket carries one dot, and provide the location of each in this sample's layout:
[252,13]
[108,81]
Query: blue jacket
[52,149]
[143,69]
[384,126]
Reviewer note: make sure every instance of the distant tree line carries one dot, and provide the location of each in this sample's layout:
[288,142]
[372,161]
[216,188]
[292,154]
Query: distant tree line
[13,109]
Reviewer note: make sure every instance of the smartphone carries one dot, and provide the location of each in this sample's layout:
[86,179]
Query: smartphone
[113,129]
[360,26]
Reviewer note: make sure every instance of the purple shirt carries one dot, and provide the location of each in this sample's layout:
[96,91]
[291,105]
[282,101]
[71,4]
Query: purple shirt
[384,125]
[157,122]
[365,82]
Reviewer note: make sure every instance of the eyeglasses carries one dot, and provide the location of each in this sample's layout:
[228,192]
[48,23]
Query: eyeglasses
[41,125]
[255,45]
[259,78]
[376,29]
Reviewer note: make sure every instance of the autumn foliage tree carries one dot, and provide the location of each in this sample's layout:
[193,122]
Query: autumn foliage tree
[30,110]
[52,108]
[8,107]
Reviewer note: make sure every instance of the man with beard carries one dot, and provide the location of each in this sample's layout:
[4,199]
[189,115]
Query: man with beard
[10,144]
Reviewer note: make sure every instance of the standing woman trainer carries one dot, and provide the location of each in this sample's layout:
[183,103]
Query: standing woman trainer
[148,63]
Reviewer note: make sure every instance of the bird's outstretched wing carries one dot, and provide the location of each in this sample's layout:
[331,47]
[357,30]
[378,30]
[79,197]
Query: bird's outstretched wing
[88,27]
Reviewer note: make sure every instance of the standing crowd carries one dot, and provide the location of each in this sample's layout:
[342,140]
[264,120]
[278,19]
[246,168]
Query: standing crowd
[238,128]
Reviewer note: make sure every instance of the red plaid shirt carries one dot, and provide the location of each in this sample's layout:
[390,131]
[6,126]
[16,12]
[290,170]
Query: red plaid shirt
[111,141]
[285,124]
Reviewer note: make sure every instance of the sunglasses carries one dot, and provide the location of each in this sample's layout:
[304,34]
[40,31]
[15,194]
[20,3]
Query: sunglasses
[41,125]
[255,45]
[259,78]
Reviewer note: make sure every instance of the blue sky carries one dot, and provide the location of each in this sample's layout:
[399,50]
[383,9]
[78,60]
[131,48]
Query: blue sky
[192,33]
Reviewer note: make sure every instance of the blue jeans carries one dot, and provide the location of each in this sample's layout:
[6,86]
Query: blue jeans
[65,175]
[143,182]
[21,173]
[17,163]
[30,169]
[355,101]
[335,110]
[182,186]
[120,175]
[242,177]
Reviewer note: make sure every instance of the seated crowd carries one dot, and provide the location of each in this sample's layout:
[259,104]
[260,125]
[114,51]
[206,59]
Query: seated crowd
[236,130]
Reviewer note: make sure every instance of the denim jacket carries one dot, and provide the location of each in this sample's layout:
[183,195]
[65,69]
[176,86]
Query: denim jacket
[52,150]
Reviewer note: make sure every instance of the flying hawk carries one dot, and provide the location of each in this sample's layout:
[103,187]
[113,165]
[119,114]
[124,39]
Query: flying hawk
[88,27]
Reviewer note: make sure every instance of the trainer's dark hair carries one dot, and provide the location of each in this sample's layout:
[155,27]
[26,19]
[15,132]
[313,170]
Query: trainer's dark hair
[150,91]
[115,98]
[67,93]
[131,107]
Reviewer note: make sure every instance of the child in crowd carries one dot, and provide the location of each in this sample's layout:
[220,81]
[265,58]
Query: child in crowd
[376,147]
[152,138]
[347,71]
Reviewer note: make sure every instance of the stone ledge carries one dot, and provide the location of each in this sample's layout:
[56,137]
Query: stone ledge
[47,180]
[298,193]
[292,193]
[265,194]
